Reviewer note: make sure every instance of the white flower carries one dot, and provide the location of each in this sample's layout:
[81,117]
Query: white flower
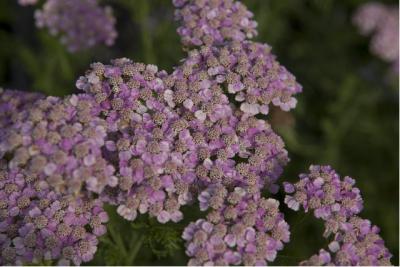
[141,109]
[334,246]
[93,78]
[73,100]
[127,213]
[200,115]
[169,97]
[292,203]
[152,68]
[272,203]
[252,109]
[50,168]
[264,109]
[188,103]
[240,97]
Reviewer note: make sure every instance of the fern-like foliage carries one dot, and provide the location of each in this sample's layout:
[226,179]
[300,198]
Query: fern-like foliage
[145,237]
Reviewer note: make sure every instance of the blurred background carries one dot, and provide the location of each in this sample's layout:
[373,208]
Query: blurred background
[347,115]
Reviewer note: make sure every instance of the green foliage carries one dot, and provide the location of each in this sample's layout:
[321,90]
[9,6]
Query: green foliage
[162,240]
[125,241]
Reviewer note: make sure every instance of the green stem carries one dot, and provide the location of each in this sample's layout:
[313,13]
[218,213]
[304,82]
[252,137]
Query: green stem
[118,240]
[142,13]
[136,248]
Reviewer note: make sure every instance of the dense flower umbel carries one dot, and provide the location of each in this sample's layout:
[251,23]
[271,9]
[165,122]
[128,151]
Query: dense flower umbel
[212,22]
[336,201]
[149,142]
[172,136]
[383,23]
[222,132]
[249,72]
[60,141]
[37,224]
[240,228]
[11,103]
[79,23]
[142,132]
[356,243]
[323,192]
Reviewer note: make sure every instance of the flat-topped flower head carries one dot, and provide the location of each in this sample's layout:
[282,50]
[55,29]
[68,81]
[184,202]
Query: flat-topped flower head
[60,141]
[325,193]
[80,24]
[213,22]
[173,135]
[147,140]
[369,17]
[382,22]
[243,229]
[353,240]
[246,72]
[222,133]
[12,102]
[39,224]
[357,243]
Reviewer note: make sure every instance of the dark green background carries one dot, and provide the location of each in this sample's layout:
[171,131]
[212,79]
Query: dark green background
[347,115]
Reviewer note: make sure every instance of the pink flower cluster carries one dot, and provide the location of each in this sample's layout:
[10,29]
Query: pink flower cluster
[80,24]
[249,72]
[38,224]
[337,202]
[382,22]
[213,22]
[240,228]
[174,135]
[50,150]
[60,140]
[150,142]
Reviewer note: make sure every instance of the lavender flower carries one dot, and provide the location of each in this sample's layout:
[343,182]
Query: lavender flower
[27,2]
[357,243]
[60,141]
[336,201]
[325,193]
[146,140]
[212,22]
[222,132]
[11,103]
[174,135]
[382,22]
[80,23]
[246,70]
[37,224]
[241,228]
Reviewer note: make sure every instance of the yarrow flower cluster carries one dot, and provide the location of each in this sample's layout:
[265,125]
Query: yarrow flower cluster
[356,243]
[227,78]
[249,72]
[38,224]
[11,103]
[240,228]
[150,142]
[325,193]
[337,202]
[382,22]
[147,139]
[213,22]
[172,136]
[80,24]
[60,140]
